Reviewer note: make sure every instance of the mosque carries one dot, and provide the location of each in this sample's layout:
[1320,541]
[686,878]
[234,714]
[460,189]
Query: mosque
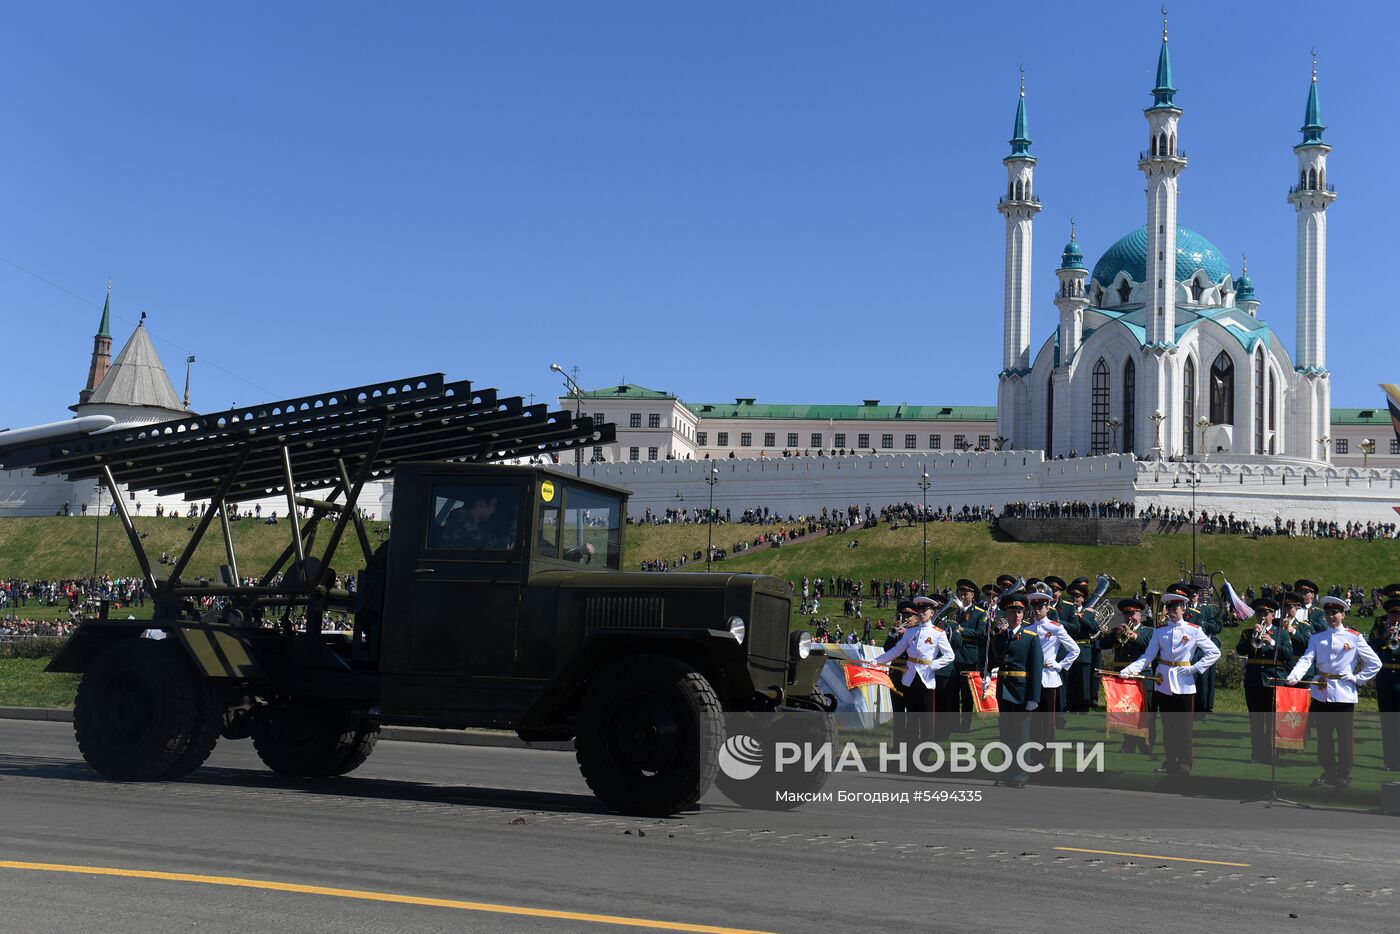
[1159,348]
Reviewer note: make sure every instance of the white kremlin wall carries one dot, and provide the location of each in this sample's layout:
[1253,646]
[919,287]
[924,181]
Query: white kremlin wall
[803,485]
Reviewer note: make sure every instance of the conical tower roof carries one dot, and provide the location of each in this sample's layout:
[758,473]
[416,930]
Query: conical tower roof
[137,377]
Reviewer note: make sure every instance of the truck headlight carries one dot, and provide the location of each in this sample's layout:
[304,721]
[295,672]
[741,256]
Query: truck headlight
[737,628]
[802,644]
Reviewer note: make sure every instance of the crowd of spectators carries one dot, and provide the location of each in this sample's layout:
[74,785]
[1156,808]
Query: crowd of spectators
[1110,509]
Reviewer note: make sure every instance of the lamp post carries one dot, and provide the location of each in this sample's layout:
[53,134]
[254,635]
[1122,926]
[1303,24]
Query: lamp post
[924,484]
[1157,419]
[1202,423]
[1326,451]
[1194,480]
[999,441]
[1113,426]
[97,531]
[1368,447]
[712,479]
[571,383]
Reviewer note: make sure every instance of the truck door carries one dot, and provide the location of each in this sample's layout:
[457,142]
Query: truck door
[466,572]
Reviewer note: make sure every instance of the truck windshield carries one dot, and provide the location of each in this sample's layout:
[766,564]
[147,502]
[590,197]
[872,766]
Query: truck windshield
[592,527]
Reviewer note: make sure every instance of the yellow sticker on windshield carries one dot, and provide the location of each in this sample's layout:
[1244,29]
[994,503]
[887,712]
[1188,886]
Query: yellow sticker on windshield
[547,491]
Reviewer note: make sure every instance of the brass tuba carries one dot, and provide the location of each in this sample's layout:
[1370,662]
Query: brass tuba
[1102,611]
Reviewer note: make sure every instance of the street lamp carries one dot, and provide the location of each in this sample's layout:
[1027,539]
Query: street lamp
[1202,423]
[1326,451]
[1368,447]
[1157,419]
[999,441]
[571,383]
[924,484]
[712,479]
[97,532]
[1194,480]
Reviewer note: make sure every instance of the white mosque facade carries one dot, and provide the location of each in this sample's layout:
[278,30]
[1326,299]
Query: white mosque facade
[1159,349]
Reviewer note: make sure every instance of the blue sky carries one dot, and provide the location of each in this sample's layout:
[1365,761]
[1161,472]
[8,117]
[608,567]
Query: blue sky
[793,201]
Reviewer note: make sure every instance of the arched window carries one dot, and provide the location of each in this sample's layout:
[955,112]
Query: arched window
[1050,416]
[1322,177]
[1197,290]
[1273,409]
[1125,290]
[1154,145]
[1312,178]
[1259,402]
[1129,406]
[1098,440]
[1222,390]
[1172,148]
[1188,407]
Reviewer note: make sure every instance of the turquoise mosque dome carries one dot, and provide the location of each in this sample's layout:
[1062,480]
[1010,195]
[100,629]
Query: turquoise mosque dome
[1072,257]
[1129,255]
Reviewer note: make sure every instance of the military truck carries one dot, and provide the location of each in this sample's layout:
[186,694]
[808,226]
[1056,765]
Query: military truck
[499,600]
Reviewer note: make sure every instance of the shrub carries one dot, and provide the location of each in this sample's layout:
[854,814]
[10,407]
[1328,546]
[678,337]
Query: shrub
[31,647]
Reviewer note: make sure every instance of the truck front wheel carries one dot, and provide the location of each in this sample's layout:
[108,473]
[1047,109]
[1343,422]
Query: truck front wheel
[313,740]
[649,732]
[143,713]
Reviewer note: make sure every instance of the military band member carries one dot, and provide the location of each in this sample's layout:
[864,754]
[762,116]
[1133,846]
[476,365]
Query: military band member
[1057,589]
[1385,640]
[1058,652]
[1208,618]
[1172,647]
[1312,609]
[1127,643]
[945,693]
[925,651]
[1084,630]
[1268,653]
[1018,682]
[1295,620]
[1336,651]
[970,627]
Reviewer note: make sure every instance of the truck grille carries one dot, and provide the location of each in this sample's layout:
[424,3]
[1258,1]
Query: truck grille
[768,629]
[622,613]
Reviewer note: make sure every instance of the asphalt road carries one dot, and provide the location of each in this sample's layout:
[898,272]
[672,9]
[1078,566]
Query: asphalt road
[447,838]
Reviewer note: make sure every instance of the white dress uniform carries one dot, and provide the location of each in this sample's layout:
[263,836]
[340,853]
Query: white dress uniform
[928,651]
[1052,635]
[1335,650]
[1172,647]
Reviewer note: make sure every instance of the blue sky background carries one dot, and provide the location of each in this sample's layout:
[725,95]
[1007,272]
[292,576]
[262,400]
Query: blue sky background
[788,200]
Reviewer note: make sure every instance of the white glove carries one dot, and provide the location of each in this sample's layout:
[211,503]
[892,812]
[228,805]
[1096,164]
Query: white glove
[1031,705]
[1292,680]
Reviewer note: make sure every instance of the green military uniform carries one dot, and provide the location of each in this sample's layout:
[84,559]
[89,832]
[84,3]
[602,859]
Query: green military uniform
[1208,619]
[1387,646]
[968,635]
[1081,629]
[1018,687]
[1265,666]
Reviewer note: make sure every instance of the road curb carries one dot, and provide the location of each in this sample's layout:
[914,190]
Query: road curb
[402,734]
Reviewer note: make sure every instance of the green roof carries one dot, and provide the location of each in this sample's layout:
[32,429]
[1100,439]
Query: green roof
[1379,417]
[626,391]
[1312,118]
[850,413]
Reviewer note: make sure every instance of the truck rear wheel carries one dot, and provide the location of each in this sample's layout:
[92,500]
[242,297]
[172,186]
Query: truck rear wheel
[143,712]
[313,740]
[649,733]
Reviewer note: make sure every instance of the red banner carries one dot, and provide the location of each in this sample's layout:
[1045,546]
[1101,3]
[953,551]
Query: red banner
[1290,717]
[1125,703]
[859,676]
[982,703]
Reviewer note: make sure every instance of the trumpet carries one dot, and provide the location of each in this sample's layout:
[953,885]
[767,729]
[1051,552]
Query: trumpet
[1127,633]
[1393,637]
[1261,636]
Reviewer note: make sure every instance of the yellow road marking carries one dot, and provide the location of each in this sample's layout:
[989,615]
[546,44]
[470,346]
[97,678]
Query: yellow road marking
[1174,859]
[374,896]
